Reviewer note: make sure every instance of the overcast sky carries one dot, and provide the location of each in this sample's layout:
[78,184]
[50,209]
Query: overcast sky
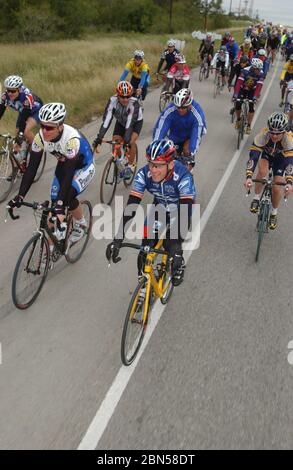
[277,11]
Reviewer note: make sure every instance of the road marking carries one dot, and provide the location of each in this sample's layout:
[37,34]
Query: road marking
[115,392]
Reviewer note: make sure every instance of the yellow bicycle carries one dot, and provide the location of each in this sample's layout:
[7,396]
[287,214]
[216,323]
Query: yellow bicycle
[154,283]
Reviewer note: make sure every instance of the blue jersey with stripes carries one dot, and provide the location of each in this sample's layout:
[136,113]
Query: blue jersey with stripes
[191,126]
[179,185]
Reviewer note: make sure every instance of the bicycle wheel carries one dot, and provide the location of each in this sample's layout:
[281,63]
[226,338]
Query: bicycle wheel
[216,86]
[206,72]
[108,182]
[6,171]
[75,250]
[41,167]
[135,324]
[165,99]
[129,182]
[262,224]
[201,73]
[167,284]
[30,272]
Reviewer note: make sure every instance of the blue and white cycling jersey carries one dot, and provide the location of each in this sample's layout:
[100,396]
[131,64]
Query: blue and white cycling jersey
[179,185]
[25,99]
[191,126]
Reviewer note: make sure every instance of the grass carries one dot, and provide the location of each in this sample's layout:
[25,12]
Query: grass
[82,73]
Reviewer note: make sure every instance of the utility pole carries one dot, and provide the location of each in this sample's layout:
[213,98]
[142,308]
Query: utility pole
[239,10]
[170,16]
[230,9]
[206,9]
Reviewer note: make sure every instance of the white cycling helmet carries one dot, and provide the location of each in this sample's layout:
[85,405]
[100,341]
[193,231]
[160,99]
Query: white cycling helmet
[257,63]
[183,98]
[180,59]
[52,112]
[247,41]
[278,122]
[262,52]
[13,81]
[139,54]
[171,43]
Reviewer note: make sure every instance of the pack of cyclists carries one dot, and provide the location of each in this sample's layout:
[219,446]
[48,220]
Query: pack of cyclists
[176,136]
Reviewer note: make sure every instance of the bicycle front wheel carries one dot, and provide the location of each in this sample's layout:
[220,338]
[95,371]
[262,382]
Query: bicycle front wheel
[75,249]
[134,167]
[262,224]
[135,324]
[167,284]
[30,272]
[165,99]
[201,73]
[108,182]
[6,176]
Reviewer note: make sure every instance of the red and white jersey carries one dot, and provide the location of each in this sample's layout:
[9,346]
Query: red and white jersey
[180,74]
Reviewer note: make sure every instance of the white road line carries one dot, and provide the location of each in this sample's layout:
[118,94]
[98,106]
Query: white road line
[111,400]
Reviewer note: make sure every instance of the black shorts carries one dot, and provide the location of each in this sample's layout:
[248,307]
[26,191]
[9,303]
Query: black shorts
[120,130]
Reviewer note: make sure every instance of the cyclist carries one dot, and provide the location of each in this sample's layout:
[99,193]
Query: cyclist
[262,55]
[248,85]
[207,48]
[74,171]
[272,146]
[289,49]
[245,49]
[262,40]
[221,63]
[254,41]
[273,45]
[140,74]
[180,72]
[289,104]
[232,48]
[21,99]
[169,57]
[225,39]
[183,122]
[243,63]
[172,186]
[129,120]
[286,76]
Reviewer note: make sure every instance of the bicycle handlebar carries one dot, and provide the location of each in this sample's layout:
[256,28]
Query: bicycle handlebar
[265,181]
[145,248]
[35,206]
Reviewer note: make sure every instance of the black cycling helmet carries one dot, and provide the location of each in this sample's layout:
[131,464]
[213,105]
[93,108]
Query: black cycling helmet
[244,59]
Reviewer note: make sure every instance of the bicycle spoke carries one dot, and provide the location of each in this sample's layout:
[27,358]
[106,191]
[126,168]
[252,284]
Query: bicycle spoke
[30,272]
[108,182]
[6,176]
[75,250]
[134,325]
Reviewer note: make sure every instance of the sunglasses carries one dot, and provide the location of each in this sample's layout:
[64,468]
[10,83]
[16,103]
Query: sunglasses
[48,128]
[157,165]
[124,97]
[12,91]
[277,133]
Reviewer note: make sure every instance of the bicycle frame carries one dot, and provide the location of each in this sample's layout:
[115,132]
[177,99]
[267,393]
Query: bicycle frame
[148,272]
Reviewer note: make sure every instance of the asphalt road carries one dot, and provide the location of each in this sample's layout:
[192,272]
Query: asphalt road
[215,372]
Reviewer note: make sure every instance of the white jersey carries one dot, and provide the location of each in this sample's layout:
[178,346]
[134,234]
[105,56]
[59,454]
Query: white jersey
[66,147]
[221,58]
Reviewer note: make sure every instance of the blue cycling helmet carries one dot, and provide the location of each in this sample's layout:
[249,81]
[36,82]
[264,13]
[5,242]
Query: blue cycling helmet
[161,150]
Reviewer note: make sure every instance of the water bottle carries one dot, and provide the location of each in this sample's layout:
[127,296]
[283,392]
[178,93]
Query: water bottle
[59,232]
[121,165]
[21,155]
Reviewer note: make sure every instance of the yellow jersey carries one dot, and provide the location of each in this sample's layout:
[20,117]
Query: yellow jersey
[136,70]
[288,67]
